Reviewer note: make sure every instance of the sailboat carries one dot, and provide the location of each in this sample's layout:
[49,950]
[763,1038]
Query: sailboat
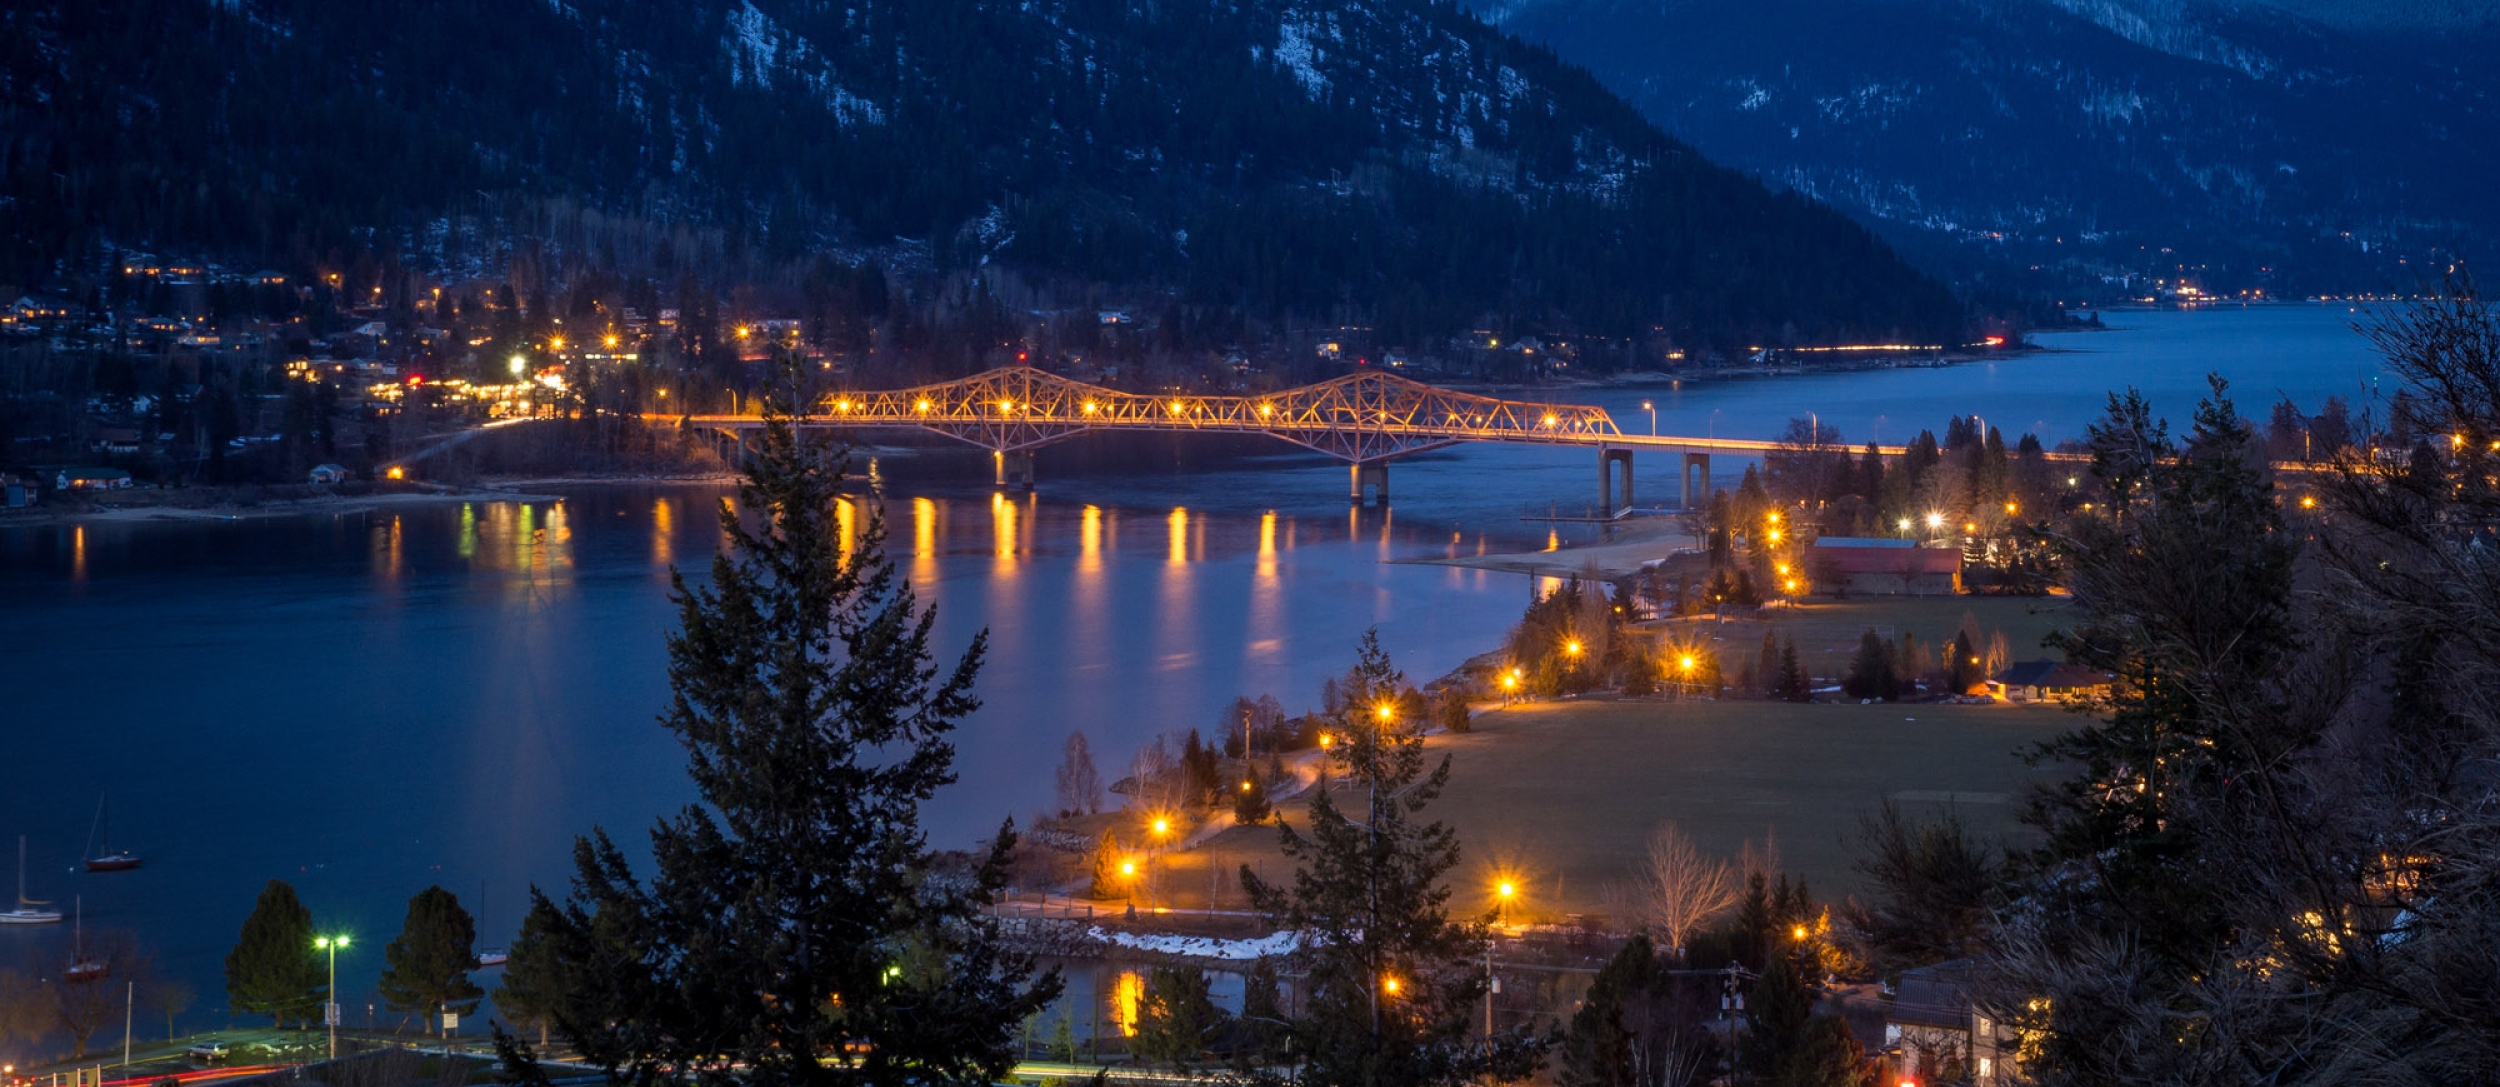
[26,913]
[111,859]
[82,968]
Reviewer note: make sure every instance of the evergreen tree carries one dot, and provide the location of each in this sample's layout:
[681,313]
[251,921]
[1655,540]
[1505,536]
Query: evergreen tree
[426,970]
[1870,670]
[1909,662]
[1177,1018]
[1794,684]
[1637,1027]
[1387,991]
[273,969]
[1200,771]
[533,984]
[1113,875]
[1776,1014]
[1961,666]
[1250,803]
[1788,1045]
[1264,1026]
[2182,578]
[1827,1055]
[1754,920]
[1063,1038]
[790,917]
[1767,666]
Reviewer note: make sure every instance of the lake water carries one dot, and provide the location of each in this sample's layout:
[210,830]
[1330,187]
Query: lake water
[364,704]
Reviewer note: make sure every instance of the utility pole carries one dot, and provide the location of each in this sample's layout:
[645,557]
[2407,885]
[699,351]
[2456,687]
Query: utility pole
[1492,985]
[130,1004]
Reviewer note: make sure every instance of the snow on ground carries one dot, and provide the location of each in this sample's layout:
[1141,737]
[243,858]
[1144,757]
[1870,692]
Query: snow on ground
[1202,947]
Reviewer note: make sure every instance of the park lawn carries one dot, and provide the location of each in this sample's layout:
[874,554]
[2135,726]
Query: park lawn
[1566,794]
[1827,631]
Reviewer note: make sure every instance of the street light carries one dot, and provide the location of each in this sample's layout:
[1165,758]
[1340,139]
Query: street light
[519,364]
[1653,417]
[332,944]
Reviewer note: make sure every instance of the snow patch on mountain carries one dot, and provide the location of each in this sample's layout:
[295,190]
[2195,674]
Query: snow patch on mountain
[752,46]
[2168,26]
[1298,52]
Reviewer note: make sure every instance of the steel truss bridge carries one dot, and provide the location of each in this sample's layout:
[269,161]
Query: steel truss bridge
[1365,419]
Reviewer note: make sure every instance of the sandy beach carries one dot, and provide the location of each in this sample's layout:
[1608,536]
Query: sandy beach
[1630,544]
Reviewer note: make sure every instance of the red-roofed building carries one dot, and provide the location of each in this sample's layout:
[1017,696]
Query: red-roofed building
[1851,564]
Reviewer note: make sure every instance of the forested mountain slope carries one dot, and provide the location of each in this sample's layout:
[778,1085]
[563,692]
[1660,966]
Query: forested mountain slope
[1392,162]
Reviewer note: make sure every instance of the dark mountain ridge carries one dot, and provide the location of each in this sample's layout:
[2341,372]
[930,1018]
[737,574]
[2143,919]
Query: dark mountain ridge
[2299,146]
[1392,163]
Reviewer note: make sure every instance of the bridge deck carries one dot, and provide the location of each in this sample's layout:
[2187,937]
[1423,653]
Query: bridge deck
[1363,417]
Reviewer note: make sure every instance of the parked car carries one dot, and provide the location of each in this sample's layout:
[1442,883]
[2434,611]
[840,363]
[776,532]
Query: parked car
[206,1052]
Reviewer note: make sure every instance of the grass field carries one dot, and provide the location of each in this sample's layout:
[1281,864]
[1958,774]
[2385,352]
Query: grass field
[1566,794]
[1827,631]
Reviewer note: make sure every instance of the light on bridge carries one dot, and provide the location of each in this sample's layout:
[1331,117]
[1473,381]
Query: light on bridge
[1549,419]
[921,407]
[1089,407]
[1266,410]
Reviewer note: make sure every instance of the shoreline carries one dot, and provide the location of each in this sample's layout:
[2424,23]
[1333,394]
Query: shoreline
[1638,543]
[228,510]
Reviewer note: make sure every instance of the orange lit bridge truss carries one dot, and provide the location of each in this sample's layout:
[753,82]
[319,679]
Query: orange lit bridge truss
[1365,419]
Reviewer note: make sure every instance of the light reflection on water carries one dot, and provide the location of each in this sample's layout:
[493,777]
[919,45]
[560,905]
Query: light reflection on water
[367,703]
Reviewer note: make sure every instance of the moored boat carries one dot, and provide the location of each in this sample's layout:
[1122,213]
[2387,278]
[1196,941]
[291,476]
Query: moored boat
[26,913]
[109,859]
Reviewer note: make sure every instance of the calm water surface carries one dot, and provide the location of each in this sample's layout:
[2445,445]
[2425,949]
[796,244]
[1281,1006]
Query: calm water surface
[367,703]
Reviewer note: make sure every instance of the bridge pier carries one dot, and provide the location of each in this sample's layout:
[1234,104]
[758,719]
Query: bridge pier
[1374,474]
[1607,459]
[1015,469]
[1693,462]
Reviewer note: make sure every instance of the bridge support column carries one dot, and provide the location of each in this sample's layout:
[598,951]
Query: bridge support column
[1374,474]
[1607,459]
[1015,469]
[1696,462]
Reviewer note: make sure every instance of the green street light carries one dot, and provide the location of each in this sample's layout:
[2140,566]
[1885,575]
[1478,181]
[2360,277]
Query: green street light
[330,1011]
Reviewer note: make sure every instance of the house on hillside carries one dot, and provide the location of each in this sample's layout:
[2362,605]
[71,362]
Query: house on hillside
[91,479]
[1936,1035]
[2050,681]
[1840,565]
[38,311]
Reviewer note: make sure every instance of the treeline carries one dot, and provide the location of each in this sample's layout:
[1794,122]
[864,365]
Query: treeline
[1423,176]
[2271,858]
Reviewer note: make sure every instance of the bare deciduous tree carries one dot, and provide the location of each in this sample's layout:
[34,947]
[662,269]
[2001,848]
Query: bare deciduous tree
[81,1007]
[1680,888]
[24,1013]
[1080,785]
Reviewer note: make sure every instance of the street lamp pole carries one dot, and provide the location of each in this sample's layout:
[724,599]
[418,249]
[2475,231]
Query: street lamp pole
[330,1003]
[1653,417]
